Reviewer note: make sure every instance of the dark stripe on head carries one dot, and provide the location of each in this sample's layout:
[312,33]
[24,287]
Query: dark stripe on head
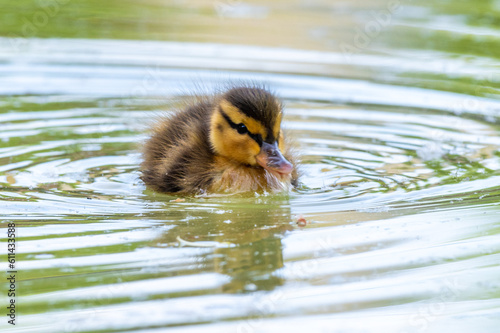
[256,137]
[258,104]
[270,136]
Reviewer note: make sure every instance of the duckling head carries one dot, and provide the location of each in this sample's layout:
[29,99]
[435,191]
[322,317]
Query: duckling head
[246,128]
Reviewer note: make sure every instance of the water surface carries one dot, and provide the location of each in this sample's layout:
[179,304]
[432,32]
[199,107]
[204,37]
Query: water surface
[400,186]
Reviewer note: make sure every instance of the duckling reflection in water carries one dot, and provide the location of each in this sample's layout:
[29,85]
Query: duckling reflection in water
[228,143]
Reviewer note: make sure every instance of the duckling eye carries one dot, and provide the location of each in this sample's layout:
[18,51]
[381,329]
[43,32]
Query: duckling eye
[241,128]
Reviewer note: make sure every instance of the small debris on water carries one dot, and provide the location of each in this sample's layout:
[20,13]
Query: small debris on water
[178,200]
[301,221]
[10,179]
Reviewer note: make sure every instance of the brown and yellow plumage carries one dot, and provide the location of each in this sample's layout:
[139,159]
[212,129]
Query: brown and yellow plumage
[229,143]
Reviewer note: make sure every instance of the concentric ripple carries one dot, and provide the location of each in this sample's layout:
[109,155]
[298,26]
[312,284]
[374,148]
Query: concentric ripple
[400,189]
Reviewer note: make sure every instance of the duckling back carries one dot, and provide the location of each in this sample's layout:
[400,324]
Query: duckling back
[177,154]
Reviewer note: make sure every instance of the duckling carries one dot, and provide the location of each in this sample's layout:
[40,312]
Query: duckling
[229,143]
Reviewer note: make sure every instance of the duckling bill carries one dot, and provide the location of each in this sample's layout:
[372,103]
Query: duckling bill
[229,143]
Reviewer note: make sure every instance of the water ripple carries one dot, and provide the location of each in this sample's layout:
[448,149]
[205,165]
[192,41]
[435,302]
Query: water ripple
[399,188]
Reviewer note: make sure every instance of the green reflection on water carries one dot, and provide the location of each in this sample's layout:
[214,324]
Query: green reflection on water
[249,238]
[92,19]
[247,234]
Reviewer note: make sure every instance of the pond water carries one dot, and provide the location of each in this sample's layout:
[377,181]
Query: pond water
[394,106]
